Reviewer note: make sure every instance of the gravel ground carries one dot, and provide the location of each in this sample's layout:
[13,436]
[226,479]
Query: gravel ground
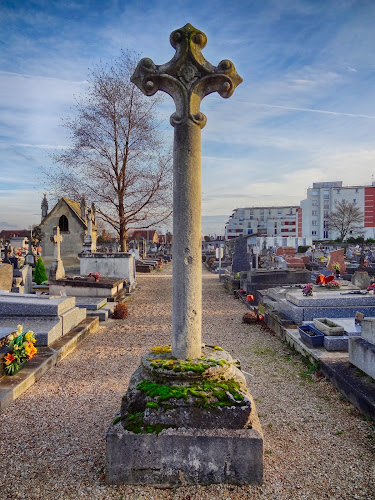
[316,444]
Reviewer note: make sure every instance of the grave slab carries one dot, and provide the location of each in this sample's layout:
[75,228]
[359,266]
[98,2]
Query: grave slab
[362,355]
[20,305]
[90,303]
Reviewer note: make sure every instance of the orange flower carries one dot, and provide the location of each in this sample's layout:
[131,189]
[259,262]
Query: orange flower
[9,358]
[32,352]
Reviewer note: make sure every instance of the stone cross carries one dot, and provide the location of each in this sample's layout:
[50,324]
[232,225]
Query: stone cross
[7,251]
[187,78]
[87,240]
[56,271]
[56,239]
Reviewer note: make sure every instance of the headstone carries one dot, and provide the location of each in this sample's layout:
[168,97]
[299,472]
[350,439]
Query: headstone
[361,279]
[56,271]
[337,257]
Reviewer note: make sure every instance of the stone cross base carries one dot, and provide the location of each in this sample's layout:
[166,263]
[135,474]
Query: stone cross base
[186,422]
[57,271]
[184,456]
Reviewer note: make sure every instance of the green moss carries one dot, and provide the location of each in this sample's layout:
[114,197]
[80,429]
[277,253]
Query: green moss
[152,404]
[179,365]
[212,392]
[116,420]
[215,347]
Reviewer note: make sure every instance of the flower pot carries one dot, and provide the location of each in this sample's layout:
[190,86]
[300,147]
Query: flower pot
[19,368]
[311,336]
[328,327]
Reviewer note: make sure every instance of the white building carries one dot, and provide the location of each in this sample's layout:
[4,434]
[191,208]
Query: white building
[268,221]
[321,201]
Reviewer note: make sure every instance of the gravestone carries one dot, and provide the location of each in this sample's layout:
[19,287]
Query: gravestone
[189,449]
[361,279]
[337,257]
[6,277]
[56,271]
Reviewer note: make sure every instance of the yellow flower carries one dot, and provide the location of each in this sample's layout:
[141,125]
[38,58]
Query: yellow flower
[10,337]
[33,340]
[15,347]
[19,329]
[25,344]
[28,336]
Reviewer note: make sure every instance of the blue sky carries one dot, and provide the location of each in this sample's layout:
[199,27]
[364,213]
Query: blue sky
[305,111]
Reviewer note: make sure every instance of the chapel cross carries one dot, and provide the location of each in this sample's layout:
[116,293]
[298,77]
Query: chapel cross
[187,78]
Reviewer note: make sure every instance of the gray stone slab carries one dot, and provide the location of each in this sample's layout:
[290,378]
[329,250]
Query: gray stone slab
[362,355]
[102,314]
[184,456]
[90,303]
[19,305]
[72,318]
[300,314]
[331,298]
[46,329]
[336,343]
[368,329]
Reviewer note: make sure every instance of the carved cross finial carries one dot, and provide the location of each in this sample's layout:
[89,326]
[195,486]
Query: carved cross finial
[187,77]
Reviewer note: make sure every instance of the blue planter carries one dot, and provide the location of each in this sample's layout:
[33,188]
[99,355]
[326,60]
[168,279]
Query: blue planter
[315,340]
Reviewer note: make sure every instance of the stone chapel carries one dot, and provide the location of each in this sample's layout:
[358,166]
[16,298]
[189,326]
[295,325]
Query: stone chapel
[72,219]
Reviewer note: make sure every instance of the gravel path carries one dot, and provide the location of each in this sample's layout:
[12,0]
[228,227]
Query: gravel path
[316,444]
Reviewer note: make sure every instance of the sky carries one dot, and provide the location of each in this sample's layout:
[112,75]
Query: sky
[304,113]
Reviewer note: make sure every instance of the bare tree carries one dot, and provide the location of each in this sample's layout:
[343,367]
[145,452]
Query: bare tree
[117,159]
[347,218]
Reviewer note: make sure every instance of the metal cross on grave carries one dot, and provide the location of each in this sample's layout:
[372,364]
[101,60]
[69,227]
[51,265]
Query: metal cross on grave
[187,78]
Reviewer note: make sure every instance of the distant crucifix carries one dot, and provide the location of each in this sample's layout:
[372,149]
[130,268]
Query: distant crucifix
[187,78]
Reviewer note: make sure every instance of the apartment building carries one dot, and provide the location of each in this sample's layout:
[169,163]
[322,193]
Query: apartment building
[267,221]
[321,201]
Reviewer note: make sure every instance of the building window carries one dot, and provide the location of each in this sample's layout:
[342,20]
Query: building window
[325,234]
[314,193]
[326,194]
[354,200]
[251,211]
[314,222]
[326,214]
[326,204]
[313,233]
[314,212]
[63,224]
[279,211]
[357,190]
[262,211]
[338,191]
[314,203]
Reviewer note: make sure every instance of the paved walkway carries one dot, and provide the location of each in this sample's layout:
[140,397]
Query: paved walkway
[316,444]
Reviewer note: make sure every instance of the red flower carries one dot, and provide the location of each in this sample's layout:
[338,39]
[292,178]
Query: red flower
[9,358]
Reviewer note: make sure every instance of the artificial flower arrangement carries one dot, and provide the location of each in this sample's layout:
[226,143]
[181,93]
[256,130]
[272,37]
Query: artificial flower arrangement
[307,290]
[323,280]
[333,284]
[95,275]
[371,287]
[336,267]
[22,348]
